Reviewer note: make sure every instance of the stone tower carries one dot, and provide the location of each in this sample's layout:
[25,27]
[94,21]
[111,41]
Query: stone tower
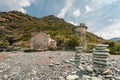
[81,31]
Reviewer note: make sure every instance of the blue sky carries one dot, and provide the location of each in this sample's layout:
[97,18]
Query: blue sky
[101,16]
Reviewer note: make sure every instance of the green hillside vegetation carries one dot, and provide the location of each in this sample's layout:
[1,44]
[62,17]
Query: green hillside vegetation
[16,29]
[114,47]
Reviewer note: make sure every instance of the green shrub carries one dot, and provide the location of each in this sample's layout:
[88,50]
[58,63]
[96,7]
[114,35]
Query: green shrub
[25,37]
[114,47]
[90,47]
[73,42]
[4,43]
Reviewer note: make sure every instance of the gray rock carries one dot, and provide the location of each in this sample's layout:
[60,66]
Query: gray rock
[51,65]
[95,78]
[61,78]
[72,77]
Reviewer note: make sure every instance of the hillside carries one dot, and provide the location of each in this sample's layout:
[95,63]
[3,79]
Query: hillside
[115,39]
[16,29]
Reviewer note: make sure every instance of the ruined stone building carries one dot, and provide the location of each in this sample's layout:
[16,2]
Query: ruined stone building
[81,31]
[42,40]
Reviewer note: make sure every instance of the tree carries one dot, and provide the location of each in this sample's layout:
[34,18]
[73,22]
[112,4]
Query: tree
[60,39]
[73,42]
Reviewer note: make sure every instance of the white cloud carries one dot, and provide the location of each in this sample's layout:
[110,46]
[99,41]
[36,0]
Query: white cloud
[110,31]
[88,9]
[74,23]
[76,13]
[100,3]
[65,9]
[18,5]
[112,20]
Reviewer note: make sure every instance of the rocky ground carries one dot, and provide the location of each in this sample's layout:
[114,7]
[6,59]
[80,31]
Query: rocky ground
[48,65]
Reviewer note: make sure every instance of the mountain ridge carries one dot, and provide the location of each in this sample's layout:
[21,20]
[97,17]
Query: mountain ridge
[115,39]
[14,24]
